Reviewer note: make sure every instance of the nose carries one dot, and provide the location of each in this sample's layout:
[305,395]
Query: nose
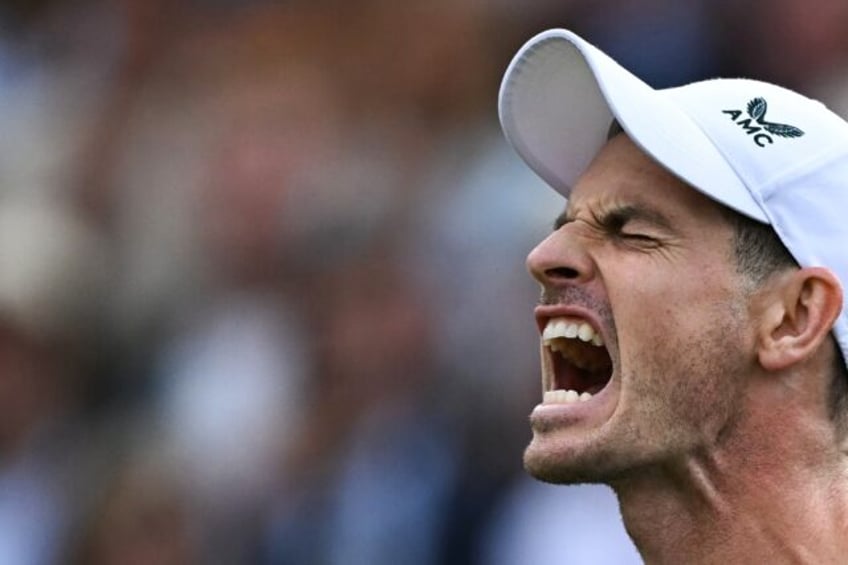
[559,258]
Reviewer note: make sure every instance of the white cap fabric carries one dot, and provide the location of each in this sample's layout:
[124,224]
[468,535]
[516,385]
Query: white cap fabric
[765,151]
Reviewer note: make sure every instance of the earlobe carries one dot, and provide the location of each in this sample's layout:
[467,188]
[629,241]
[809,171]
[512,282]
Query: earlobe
[804,306]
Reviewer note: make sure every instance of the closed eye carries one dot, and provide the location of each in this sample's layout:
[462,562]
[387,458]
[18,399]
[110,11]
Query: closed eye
[620,221]
[638,239]
[636,236]
[622,224]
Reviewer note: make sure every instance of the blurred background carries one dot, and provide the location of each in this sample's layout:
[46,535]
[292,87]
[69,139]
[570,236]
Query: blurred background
[262,295]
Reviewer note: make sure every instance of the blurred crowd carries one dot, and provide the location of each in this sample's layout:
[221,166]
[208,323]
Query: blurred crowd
[262,296]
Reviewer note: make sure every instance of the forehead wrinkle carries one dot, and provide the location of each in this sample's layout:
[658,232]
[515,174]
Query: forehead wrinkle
[638,211]
[619,209]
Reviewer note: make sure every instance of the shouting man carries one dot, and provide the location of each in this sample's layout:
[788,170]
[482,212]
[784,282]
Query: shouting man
[691,323]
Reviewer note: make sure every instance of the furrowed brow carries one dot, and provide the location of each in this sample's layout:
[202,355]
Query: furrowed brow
[618,216]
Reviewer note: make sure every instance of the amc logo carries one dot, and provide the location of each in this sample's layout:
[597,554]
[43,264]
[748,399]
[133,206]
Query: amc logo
[756,125]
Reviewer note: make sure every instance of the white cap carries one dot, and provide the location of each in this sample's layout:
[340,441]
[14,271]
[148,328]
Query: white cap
[765,151]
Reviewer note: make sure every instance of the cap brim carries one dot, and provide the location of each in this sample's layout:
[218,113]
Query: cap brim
[559,96]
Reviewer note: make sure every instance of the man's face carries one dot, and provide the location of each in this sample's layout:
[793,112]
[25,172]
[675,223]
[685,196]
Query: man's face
[641,267]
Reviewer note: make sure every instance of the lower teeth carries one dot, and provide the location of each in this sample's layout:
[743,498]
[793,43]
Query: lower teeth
[565,396]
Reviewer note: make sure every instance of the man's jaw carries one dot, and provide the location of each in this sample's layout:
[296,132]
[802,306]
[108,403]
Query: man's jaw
[573,428]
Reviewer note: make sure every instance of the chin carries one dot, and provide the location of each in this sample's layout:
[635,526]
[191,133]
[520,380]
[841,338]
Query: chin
[557,467]
[571,466]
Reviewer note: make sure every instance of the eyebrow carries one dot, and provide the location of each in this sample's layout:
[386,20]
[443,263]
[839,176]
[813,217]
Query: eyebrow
[618,216]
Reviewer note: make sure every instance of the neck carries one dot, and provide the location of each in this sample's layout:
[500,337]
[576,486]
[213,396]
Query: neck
[743,503]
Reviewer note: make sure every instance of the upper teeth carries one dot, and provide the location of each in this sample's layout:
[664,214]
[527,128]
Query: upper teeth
[570,329]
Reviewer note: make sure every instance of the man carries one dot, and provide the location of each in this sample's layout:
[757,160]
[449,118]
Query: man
[692,332]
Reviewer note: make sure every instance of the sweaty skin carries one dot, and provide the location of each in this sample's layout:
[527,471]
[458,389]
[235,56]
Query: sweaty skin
[714,428]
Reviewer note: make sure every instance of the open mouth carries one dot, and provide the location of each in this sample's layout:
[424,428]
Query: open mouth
[576,364]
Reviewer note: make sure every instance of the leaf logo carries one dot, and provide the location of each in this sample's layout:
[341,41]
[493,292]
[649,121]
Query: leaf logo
[757,110]
[756,125]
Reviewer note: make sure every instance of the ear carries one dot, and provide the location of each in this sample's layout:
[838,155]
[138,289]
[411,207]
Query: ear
[799,317]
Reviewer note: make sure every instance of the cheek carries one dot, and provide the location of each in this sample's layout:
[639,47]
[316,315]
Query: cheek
[688,389]
[683,344]
[709,395]
[644,294]
[670,314]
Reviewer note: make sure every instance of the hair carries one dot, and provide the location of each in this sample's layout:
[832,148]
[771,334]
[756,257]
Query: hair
[759,254]
[757,249]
